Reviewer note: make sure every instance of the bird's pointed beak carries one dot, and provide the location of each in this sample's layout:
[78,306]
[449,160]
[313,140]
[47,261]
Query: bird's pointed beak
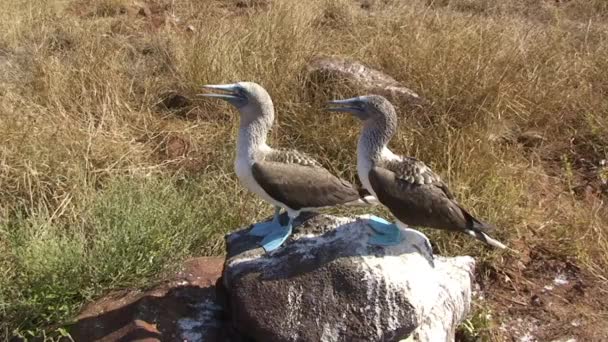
[229,92]
[351,105]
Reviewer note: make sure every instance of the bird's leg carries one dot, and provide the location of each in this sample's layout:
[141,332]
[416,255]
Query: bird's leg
[265,228]
[385,233]
[275,239]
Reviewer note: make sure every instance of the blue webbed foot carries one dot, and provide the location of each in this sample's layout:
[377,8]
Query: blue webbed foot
[386,233]
[264,228]
[275,239]
[380,225]
[386,239]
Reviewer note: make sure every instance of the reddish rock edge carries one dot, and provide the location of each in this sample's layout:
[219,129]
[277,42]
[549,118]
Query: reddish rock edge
[184,309]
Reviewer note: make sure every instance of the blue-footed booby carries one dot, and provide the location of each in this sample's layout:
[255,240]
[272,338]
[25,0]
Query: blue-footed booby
[413,193]
[287,179]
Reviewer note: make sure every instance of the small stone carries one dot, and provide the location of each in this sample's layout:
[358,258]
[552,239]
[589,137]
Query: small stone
[530,139]
[536,301]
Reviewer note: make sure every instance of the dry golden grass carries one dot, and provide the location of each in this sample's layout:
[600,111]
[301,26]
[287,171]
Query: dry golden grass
[82,135]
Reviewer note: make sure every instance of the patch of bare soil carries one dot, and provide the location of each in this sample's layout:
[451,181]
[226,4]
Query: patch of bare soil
[582,161]
[540,296]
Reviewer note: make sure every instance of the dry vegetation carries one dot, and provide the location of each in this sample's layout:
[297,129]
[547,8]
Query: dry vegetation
[102,187]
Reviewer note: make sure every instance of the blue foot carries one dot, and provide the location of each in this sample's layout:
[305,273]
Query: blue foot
[386,239]
[264,228]
[380,225]
[386,233]
[276,238]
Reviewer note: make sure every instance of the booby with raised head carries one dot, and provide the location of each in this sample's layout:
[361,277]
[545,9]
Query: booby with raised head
[287,179]
[413,193]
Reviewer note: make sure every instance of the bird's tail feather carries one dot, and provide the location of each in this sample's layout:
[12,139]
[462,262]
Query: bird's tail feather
[474,223]
[478,234]
[478,229]
[363,201]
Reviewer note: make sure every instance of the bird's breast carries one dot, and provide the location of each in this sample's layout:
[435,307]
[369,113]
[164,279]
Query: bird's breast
[242,168]
[364,166]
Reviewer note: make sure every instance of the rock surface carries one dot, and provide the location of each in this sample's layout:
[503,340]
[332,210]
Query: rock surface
[332,72]
[324,284]
[187,308]
[327,284]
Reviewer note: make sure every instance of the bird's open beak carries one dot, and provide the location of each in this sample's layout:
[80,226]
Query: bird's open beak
[349,105]
[229,92]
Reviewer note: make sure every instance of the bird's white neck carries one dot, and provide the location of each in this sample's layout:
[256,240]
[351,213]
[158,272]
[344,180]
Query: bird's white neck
[371,149]
[252,136]
[373,142]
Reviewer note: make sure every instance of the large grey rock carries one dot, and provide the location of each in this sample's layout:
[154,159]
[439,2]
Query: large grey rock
[333,73]
[327,284]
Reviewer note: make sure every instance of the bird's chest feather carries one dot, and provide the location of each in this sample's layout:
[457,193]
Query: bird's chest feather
[242,168]
[364,165]
[243,172]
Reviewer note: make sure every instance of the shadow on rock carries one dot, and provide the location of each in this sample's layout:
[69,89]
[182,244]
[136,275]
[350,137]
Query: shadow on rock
[190,308]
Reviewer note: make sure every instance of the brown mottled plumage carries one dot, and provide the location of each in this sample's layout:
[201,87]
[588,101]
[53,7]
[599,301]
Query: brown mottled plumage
[290,157]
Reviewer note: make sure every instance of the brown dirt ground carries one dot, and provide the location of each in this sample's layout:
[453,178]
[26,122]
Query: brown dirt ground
[541,296]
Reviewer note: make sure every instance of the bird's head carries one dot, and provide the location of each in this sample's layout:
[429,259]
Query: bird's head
[369,108]
[251,99]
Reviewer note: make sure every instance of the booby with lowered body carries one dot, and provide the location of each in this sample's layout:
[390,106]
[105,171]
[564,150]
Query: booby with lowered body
[413,193]
[287,179]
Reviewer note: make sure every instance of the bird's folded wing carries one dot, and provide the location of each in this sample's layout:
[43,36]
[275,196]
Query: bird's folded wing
[299,186]
[291,157]
[415,172]
[416,204]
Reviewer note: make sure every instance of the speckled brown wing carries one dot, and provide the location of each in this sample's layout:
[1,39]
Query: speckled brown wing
[291,157]
[414,171]
[299,181]
[418,197]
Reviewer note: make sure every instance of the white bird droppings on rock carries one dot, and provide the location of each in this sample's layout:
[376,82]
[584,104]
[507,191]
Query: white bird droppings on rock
[192,329]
